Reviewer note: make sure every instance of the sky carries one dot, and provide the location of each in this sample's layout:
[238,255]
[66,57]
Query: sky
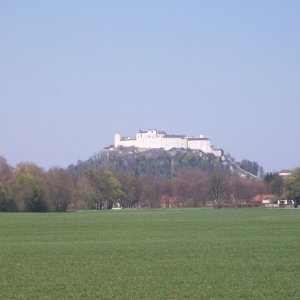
[74,72]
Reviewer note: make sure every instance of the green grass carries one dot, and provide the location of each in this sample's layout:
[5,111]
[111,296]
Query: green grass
[151,254]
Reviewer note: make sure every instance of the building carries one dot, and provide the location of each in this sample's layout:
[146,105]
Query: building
[154,139]
[285,173]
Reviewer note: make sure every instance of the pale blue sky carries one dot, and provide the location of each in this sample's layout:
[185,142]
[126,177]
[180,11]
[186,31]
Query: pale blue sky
[72,73]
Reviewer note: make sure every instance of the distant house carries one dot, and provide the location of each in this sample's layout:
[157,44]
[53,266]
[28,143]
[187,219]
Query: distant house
[264,199]
[268,200]
[285,173]
[286,203]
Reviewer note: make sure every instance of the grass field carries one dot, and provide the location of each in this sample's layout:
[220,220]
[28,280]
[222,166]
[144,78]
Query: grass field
[151,254]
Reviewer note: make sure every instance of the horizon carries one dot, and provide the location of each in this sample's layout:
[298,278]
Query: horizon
[72,74]
[74,163]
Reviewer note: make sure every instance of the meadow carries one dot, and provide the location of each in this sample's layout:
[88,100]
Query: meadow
[151,254]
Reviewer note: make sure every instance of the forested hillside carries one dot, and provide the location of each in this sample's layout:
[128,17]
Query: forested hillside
[158,163]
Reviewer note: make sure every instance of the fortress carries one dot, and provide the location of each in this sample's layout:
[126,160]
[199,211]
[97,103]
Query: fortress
[154,139]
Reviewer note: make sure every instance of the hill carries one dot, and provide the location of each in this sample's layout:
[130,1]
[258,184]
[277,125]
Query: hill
[157,162]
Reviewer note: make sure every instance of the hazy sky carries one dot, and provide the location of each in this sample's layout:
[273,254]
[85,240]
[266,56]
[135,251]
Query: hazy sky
[72,73]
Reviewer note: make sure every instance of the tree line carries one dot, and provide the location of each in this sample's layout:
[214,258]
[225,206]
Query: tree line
[28,187]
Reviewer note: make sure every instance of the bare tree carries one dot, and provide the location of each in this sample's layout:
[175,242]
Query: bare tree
[217,189]
[60,188]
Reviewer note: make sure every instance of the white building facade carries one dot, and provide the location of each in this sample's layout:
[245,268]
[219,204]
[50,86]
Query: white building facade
[154,139]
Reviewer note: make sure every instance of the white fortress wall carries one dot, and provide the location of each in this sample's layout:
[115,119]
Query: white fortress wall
[217,152]
[150,139]
[203,144]
[170,142]
[153,139]
[125,142]
[128,143]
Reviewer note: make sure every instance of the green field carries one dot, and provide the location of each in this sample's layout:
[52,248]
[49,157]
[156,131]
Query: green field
[151,254]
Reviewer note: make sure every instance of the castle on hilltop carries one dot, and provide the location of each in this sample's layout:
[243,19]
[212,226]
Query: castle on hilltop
[154,139]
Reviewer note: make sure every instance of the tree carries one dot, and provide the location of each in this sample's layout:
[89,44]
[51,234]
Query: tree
[30,189]
[275,183]
[183,192]
[148,192]
[30,194]
[107,188]
[217,189]
[115,188]
[243,190]
[197,182]
[60,188]
[95,180]
[86,194]
[129,187]
[292,187]
[7,202]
